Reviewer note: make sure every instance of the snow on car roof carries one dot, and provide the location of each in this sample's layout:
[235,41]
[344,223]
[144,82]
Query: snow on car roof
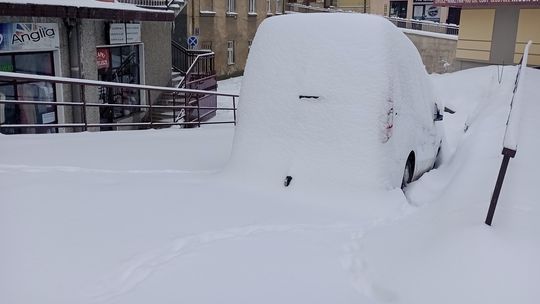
[312,96]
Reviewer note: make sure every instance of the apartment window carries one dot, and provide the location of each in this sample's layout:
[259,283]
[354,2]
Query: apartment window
[230,52]
[269,7]
[252,8]
[279,9]
[231,8]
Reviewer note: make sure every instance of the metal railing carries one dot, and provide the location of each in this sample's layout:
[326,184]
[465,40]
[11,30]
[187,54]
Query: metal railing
[421,25]
[183,58]
[426,26]
[302,8]
[192,105]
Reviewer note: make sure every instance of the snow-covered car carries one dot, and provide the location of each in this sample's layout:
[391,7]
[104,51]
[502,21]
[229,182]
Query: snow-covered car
[335,100]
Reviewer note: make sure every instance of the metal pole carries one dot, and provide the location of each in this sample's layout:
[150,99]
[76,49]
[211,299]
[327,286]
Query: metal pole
[85,119]
[508,153]
[198,112]
[174,106]
[150,109]
[234,109]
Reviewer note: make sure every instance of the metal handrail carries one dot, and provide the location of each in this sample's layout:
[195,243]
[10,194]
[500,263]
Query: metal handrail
[98,83]
[425,25]
[85,124]
[192,67]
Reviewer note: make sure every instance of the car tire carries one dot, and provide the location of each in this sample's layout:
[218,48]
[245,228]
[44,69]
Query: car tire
[408,173]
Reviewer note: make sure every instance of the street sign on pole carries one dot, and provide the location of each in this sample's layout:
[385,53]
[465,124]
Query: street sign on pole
[192,41]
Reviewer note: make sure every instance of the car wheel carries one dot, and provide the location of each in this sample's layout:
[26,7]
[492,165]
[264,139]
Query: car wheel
[408,173]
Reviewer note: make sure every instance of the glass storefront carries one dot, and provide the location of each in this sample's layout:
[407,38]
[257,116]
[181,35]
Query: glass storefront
[119,64]
[398,9]
[38,63]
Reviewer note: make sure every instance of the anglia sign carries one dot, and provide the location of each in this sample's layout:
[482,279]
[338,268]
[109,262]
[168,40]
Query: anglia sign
[29,36]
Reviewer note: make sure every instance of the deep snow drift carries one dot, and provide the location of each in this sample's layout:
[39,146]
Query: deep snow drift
[319,109]
[141,217]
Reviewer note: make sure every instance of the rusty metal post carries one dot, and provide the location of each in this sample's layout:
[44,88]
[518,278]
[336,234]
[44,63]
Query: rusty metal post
[507,154]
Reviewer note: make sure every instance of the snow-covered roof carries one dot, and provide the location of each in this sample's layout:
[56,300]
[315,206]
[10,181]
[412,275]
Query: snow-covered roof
[93,4]
[80,3]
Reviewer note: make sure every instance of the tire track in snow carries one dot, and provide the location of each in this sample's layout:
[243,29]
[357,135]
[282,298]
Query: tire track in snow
[140,267]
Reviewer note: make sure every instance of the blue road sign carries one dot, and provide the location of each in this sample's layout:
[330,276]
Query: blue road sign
[192,41]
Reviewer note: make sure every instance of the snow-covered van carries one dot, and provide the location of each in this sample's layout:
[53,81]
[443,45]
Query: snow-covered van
[334,100]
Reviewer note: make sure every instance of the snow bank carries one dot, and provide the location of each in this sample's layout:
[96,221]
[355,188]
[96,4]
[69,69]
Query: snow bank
[334,139]
[444,253]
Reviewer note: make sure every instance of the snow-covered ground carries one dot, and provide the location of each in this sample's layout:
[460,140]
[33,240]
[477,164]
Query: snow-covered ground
[146,217]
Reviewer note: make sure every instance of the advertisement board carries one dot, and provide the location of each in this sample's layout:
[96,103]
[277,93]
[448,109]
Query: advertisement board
[29,36]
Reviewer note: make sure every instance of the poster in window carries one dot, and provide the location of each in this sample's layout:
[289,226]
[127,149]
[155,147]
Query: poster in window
[103,58]
[432,13]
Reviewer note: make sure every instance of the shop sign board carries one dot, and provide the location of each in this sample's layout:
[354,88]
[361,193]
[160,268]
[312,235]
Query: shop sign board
[432,13]
[122,33]
[103,58]
[29,36]
[133,33]
[485,2]
[117,33]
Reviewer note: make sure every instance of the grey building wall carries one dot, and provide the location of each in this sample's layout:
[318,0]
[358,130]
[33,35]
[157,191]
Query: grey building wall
[438,54]
[156,37]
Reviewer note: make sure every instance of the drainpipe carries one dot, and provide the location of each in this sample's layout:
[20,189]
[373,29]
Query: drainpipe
[72,26]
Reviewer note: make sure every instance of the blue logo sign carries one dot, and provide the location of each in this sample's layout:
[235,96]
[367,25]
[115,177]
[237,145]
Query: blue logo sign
[192,41]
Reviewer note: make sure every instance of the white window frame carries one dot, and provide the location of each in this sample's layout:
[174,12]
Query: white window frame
[231,6]
[252,9]
[269,8]
[230,52]
[278,7]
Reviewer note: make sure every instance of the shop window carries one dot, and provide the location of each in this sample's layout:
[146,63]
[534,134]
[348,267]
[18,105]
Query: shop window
[119,64]
[230,52]
[41,63]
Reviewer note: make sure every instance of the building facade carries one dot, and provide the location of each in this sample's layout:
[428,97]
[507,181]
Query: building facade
[125,44]
[226,27]
[496,32]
